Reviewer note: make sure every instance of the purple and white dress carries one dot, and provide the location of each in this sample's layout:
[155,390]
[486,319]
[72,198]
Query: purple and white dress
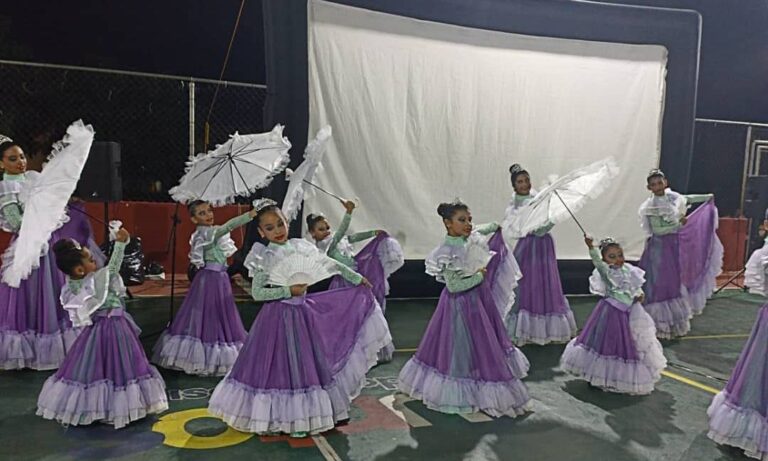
[305,357]
[541,314]
[681,263]
[379,259]
[106,376]
[207,333]
[35,332]
[617,349]
[738,415]
[466,361]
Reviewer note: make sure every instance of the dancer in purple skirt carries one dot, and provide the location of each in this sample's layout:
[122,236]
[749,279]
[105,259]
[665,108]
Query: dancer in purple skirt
[207,333]
[466,361]
[682,256]
[106,376]
[738,415]
[306,355]
[541,314]
[754,275]
[617,350]
[376,261]
[35,331]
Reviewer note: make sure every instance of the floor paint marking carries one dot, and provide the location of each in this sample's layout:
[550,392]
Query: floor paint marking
[690,382]
[325,448]
[396,404]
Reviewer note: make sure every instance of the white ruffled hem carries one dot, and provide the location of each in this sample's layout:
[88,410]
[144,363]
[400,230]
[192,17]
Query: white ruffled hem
[743,428]
[35,351]
[526,328]
[615,374]
[311,410]
[194,357]
[76,404]
[448,394]
[672,318]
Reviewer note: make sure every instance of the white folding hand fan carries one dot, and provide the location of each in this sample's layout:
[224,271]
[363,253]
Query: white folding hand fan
[302,269]
[477,257]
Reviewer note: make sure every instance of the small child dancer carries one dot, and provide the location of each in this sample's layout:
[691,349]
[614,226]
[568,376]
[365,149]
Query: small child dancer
[207,333]
[106,376]
[306,355]
[738,415]
[376,261]
[682,256]
[617,350]
[466,362]
[541,314]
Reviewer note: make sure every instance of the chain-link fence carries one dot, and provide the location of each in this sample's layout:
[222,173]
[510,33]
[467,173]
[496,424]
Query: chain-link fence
[157,119]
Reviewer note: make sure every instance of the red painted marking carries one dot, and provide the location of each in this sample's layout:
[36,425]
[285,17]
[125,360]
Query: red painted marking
[293,442]
[377,417]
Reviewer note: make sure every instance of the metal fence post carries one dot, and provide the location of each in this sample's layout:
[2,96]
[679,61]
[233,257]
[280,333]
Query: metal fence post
[191,119]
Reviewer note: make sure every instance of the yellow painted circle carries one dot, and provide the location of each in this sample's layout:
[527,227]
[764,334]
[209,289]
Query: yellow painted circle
[172,427]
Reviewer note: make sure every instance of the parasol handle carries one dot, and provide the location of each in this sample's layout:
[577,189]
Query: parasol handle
[323,190]
[571,213]
[88,215]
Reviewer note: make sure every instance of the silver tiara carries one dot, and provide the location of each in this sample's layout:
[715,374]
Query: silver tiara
[656,172]
[607,242]
[4,138]
[516,169]
[262,203]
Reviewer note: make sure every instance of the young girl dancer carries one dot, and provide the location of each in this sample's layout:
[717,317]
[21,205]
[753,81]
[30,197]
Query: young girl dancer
[617,350]
[541,313]
[306,355]
[754,276]
[376,261]
[466,362]
[35,331]
[738,415]
[682,256]
[207,333]
[106,376]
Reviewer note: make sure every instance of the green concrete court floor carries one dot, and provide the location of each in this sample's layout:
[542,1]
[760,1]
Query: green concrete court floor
[570,421]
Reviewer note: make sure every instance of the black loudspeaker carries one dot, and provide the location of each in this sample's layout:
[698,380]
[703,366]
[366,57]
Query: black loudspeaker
[101,180]
[755,205]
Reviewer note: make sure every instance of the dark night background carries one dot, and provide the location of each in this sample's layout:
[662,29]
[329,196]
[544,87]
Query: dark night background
[190,38]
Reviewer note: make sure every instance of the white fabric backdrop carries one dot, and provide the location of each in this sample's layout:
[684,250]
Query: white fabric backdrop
[424,112]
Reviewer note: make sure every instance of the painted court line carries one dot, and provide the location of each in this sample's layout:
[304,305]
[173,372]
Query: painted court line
[727,336]
[690,382]
[325,448]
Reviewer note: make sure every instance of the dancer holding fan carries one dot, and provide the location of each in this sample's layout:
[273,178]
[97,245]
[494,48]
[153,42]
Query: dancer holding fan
[379,259]
[682,258]
[306,355]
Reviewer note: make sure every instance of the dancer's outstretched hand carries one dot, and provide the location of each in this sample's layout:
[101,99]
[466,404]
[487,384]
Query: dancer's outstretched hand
[366,283]
[684,220]
[589,241]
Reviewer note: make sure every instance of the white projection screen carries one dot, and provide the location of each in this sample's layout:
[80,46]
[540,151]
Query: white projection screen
[424,112]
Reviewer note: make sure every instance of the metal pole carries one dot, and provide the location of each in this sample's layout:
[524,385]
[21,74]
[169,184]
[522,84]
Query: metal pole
[191,119]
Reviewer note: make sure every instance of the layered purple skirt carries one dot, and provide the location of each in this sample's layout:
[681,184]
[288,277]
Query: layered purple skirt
[370,265]
[303,362]
[105,377]
[541,313]
[738,415]
[681,271]
[466,361]
[35,331]
[617,350]
[207,333]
